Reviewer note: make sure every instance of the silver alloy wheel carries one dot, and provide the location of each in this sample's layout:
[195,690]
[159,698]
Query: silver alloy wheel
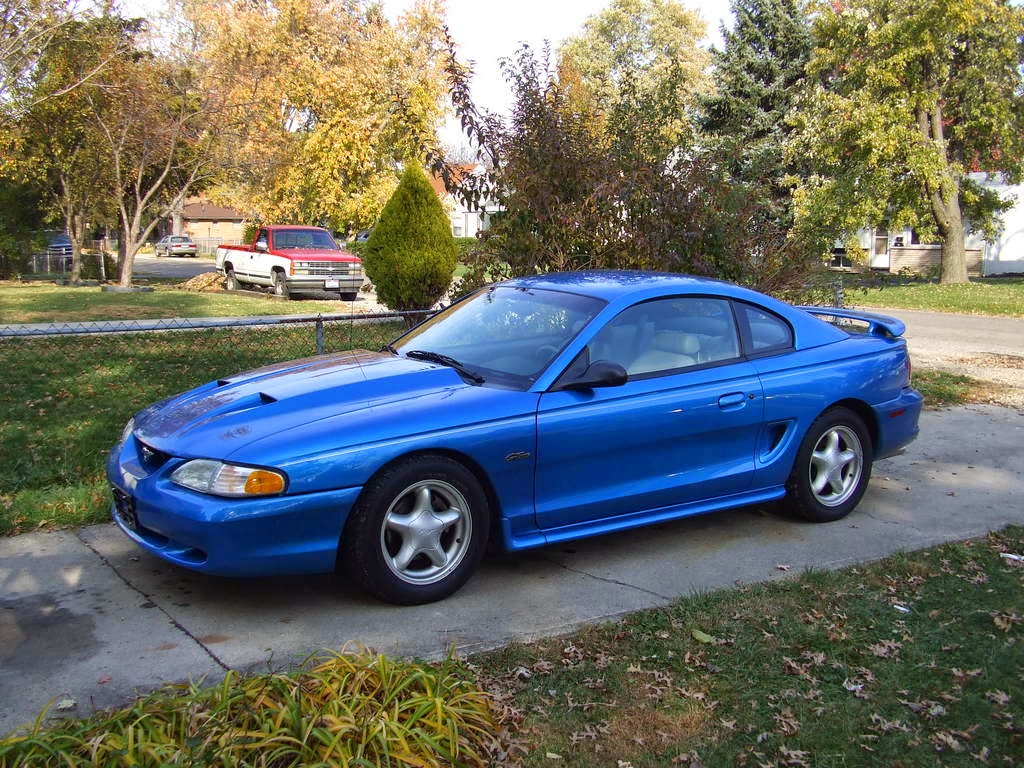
[426,532]
[836,465]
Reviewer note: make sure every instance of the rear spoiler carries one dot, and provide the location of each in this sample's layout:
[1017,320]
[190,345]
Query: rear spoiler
[878,325]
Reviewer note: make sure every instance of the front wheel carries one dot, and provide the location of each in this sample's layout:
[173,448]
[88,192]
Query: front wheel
[280,285]
[418,532]
[832,467]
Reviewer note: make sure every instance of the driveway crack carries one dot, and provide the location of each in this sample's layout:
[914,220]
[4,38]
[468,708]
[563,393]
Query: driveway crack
[149,598]
[616,582]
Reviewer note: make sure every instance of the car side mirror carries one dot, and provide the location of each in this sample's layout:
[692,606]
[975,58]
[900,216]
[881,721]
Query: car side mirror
[600,373]
[261,245]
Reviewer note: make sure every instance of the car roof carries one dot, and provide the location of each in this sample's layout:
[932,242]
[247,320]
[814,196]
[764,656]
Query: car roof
[614,284]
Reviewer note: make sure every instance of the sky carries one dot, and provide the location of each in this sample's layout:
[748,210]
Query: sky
[487,31]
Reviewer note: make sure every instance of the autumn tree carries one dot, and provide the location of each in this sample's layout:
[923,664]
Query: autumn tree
[56,142]
[28,30]
[336,96]
[576,194]
[638,60]
[911,97]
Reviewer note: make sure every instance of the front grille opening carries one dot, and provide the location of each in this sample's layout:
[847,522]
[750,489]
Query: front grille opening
[150,457]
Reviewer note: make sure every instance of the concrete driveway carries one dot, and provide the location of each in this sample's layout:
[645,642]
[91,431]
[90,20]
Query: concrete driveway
[86,616]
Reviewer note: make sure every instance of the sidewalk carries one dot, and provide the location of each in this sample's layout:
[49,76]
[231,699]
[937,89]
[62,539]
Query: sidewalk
[87,616]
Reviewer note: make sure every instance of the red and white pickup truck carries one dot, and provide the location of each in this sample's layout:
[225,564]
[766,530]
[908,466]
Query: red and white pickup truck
[292,260]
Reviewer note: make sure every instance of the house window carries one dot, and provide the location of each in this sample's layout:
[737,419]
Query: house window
[456,230]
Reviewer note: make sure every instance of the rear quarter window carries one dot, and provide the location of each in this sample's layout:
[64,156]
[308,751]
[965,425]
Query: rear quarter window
[766,331]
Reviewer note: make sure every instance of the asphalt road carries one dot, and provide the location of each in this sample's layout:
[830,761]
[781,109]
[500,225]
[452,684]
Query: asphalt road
[988,348]
[86,616]
[182,267]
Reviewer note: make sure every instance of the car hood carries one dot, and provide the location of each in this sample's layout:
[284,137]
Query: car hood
[221,417]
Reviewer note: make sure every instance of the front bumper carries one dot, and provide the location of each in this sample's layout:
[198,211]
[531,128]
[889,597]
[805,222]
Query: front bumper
[262,536]
[345,284]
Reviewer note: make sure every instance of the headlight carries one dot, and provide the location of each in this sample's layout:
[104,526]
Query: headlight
[220,479]
[128,429]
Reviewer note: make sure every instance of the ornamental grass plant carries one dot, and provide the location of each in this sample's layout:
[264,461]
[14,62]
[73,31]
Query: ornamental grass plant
[348,710]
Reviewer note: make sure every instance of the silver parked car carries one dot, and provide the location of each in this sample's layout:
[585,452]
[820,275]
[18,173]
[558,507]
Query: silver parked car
[176,245]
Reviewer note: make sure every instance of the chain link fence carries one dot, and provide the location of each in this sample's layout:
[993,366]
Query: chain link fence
[66,390]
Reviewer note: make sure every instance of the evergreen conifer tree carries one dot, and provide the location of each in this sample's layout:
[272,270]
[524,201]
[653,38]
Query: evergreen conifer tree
[758,76]
[411,254]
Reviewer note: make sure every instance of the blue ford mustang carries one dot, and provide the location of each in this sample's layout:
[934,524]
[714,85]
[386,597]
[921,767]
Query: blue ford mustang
[537,410]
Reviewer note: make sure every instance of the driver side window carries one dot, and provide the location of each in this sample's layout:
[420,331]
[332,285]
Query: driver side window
[665,335]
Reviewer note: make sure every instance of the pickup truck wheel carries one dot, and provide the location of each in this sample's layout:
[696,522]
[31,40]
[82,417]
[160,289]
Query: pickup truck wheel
[832,468]
[280,285]
[230,281]
[349,296]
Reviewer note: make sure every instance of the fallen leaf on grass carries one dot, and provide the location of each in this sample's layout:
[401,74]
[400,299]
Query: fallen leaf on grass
[1005,621]
[886,649]
[702,637]
[66,705]
[782,567]
[997,697]
[943,741]
[104,680]
[552,756]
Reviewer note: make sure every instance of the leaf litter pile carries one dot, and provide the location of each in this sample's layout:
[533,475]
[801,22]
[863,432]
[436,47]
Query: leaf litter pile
[917,660]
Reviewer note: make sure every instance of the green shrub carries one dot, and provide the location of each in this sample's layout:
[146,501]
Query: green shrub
[410,256]
[351,710]
[91,266]
[249,231]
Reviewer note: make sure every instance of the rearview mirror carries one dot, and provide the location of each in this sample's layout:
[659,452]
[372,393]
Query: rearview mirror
[261,245]
[600,373]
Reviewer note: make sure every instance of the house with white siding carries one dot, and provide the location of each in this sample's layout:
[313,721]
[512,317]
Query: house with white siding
[896,250]
[466,221]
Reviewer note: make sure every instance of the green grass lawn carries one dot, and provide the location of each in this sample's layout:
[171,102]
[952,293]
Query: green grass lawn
[33,303]
[942,388]
[65,401]
[986,296]
[913,661]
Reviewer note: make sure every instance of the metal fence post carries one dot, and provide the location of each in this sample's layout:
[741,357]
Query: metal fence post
[837,293]
[319,335]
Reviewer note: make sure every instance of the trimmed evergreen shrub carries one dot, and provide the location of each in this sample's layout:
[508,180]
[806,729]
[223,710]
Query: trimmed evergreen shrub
[410,256]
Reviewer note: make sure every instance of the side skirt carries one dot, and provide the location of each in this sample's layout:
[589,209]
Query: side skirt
[538,538]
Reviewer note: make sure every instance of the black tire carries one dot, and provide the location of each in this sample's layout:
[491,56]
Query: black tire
[230,281]
[280,284]
[372,547]
[349,296]
[836,454]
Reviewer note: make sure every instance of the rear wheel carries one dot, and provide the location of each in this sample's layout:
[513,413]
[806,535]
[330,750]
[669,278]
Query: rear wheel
[230,281]
[418,531]
[349,296]
[832,468]
[280,284]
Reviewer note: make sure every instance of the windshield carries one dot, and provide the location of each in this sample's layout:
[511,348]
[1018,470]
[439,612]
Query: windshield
[304,238]
[505,335]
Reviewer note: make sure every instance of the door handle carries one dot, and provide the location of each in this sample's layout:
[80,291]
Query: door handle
[732,400]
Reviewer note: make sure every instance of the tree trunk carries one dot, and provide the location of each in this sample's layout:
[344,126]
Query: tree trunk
[75,233]
[954,254]
[944,198]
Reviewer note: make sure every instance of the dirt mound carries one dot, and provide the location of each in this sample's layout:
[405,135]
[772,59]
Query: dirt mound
[207,282]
